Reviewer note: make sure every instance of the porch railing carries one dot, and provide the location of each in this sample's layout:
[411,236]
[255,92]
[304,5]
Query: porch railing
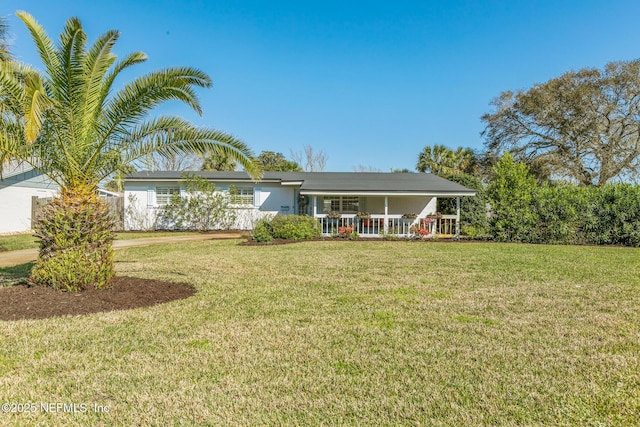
[446,226]
[396,225]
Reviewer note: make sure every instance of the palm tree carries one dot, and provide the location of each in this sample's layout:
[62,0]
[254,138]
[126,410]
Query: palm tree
[465,161]
[70,122]
[437,159]
[442,160]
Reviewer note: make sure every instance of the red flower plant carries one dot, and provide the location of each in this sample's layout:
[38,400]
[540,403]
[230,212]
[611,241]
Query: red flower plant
[345,231]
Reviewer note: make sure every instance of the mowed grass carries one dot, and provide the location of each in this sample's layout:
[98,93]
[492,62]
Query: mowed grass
[16,242]
[347,333]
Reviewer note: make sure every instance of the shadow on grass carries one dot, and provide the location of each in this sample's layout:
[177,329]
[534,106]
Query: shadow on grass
[15,275]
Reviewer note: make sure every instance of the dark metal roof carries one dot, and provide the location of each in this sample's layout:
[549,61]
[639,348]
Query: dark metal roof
[333,182]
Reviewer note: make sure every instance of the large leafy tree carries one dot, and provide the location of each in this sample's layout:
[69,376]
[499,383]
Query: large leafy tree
[583,125]
[74,124]
[276,162]
[268,161]
[218,162]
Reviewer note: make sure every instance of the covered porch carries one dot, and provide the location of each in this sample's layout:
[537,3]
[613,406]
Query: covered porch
[377,215]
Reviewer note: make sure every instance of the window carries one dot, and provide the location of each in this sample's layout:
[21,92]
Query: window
[349,204]
[331,204]
[341,204]
[163,194]
[241,195]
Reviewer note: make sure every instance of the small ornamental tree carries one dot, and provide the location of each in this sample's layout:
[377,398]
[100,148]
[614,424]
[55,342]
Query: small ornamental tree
[201,207]
[511,194]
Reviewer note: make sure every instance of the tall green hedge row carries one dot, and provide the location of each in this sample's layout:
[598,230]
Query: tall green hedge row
[523,211]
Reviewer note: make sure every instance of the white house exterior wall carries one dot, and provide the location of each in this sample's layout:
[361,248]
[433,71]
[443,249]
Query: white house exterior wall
[140,207]
[16,192]
[15,207]
[399,205]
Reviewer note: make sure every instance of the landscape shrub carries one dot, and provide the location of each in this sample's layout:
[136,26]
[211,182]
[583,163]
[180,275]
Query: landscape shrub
[295,227]
[511,193]
[558,210]
[473,210]
[262,232]
[288,227]
[617,215]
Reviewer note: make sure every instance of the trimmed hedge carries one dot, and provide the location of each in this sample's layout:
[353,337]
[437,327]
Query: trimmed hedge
[289,227]
[522,211]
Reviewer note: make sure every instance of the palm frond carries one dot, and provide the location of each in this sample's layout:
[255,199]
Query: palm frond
[44,45]
[97,63]
[37,102]
[13,97]
[172,135]
[133,102]
[80,129]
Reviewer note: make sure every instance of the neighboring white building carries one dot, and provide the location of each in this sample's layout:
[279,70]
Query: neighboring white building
[20,182]
[386,197]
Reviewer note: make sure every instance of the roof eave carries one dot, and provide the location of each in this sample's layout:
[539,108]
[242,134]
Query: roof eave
[387,193]
[149,178]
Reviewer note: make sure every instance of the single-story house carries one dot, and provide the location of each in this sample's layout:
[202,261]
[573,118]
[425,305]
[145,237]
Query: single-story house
[372,203]
[19,184]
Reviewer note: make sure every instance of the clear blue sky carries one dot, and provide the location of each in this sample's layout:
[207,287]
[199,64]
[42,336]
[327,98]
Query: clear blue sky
[369,82]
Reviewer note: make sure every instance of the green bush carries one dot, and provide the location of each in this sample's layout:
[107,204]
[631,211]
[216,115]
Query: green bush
[561,214]
[295,227]
[289,227]
[512,193]
[473,210]
[473,232]
[262,232]
[558,211]
[617,215]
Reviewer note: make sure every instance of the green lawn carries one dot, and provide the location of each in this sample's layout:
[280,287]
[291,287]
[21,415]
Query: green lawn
[356,333]
[16,242]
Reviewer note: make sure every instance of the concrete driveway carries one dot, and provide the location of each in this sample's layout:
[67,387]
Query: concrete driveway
[11,258]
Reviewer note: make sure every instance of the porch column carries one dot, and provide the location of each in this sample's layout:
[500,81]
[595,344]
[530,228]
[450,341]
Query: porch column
[457,218]
[315,205]
[386,214]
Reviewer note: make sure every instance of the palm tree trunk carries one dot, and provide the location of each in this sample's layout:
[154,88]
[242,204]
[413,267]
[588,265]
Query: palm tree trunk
[76,232]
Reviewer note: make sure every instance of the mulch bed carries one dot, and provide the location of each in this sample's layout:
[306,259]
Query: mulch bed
[124,293]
